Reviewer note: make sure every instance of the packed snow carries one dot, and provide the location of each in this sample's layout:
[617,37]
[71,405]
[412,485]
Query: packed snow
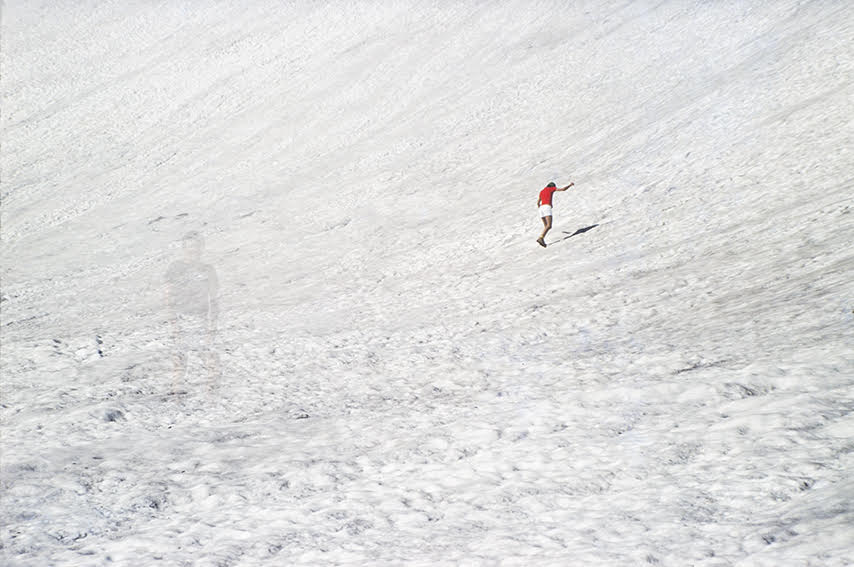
[398,373]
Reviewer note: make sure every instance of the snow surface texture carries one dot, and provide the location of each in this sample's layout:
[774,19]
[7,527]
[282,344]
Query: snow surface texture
[407,377]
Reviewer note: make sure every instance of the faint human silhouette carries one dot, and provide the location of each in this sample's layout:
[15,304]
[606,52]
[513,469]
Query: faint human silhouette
[192,291]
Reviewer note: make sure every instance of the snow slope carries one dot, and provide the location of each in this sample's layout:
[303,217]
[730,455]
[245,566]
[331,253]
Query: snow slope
[407,377]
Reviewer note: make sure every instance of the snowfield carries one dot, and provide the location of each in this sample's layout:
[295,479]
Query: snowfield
[407,378]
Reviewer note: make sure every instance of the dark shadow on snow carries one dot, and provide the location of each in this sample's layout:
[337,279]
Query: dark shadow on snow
[579,231]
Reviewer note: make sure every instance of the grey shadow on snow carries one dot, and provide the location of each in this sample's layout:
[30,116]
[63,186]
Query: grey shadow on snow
[579,231]
[192,303]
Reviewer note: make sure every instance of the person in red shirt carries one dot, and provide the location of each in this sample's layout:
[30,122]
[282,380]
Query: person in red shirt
[545,205]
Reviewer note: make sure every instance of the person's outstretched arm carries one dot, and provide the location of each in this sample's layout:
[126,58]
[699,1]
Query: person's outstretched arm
[565,188]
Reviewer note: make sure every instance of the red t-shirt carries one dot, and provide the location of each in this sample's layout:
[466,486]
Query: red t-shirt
[546,195]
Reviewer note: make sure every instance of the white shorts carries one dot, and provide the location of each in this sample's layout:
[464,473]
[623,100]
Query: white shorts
[545,211]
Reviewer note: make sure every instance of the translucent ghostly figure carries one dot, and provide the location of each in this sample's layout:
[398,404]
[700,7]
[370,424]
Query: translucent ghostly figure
[192,291]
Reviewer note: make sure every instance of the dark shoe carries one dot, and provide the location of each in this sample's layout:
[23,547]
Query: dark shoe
[541,242]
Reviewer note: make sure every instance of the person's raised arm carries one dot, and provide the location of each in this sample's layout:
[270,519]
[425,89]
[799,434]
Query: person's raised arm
[565,188]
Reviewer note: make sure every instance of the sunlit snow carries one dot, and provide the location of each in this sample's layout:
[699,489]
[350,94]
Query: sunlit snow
[396,373]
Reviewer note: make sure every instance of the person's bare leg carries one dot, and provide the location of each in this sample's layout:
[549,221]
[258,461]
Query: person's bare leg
[547,221]
[546,224]
[180,372]
[213,367]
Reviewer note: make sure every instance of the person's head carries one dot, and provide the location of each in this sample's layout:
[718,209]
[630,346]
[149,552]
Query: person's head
[551,184]
[193,244]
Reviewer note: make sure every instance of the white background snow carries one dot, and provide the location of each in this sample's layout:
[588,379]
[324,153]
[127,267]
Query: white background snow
[408,379]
